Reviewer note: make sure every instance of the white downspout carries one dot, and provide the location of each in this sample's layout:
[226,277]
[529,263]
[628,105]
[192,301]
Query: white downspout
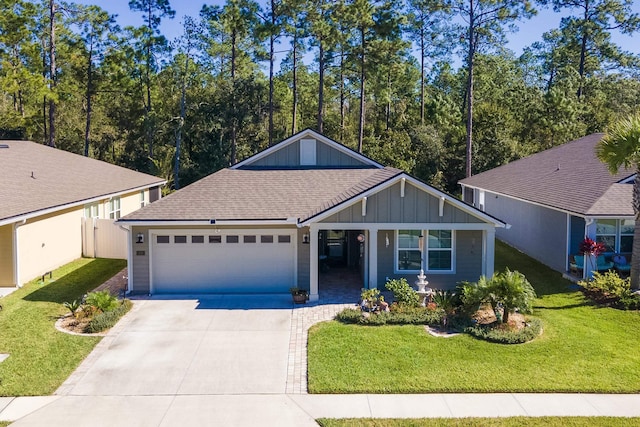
[129,258]
[16,258]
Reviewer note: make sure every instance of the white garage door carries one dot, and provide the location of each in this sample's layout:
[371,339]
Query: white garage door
[230,262]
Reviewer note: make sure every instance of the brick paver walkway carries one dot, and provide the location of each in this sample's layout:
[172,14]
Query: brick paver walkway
[302,318]
[117,285]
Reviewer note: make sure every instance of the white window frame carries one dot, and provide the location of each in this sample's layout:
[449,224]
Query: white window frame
[396,262]
[621,234]
[615,234]
[114,208]
[425,252]
[143,199]
[428,249]
[93,209]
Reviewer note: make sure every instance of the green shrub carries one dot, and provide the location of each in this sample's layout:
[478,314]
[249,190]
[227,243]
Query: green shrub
[102,301]
[404,315]
[403,293]
[349,315]
[608,283]
[399,315]
[609,288]
[501,335]
[107,319]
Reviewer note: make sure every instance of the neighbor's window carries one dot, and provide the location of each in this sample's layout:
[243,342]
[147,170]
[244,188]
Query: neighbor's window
[92,210]
[626,235]
[143,200]
[439,250]
[114,208]
[409,250]
[606,233]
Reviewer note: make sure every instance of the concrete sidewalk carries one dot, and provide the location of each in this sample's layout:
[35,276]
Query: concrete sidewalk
[300,410]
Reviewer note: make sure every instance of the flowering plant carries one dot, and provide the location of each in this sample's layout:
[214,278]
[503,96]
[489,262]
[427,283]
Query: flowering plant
[591,247]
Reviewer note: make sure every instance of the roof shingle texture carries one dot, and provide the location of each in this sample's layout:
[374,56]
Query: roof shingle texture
[263,194]
[35,177]
[568,177]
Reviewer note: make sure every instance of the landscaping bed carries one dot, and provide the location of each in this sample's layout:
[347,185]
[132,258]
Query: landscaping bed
[41,357]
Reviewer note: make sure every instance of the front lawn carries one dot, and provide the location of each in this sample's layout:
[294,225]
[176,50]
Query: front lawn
[484,422]
[41,357]
[583,349]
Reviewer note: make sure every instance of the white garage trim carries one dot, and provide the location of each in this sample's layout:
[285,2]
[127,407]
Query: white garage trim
[289,256]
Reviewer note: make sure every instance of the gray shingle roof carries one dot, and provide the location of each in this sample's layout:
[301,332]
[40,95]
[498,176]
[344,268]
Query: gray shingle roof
[568,177]
[35,177]
[263,194]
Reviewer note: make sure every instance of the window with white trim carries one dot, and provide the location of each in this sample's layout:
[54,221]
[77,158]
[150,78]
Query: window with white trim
[114,208]
[616,235]
[436,255]
[92,210]
[408,250]
[439,250]
[143,200]
[627,227]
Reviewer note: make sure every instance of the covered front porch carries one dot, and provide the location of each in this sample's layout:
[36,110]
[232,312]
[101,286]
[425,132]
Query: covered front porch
[376,253]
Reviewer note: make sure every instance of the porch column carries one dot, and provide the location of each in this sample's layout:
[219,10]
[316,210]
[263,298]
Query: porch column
[490,251]
[373,259]
[589,260]
[313,263]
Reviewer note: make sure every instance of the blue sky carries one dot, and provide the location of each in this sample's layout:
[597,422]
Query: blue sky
[529,32]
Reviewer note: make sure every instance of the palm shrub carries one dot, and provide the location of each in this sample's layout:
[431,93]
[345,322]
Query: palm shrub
[102,301]
[510,290]
[73,307]
[403,293]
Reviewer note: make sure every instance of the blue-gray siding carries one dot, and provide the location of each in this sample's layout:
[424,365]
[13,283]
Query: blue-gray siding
[468,259]
[289,156]
[535,230]
[417,206]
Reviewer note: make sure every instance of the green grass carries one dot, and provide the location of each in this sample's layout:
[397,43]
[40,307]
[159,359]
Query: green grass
[583,349]
[41,357]
[484,422]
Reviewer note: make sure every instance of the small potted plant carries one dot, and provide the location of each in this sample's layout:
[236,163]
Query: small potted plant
[300,296]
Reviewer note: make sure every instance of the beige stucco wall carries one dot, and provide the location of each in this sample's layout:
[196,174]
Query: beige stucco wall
[6,255]
[47,242]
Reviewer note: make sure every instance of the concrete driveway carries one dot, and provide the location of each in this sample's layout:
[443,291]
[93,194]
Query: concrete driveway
[209,345]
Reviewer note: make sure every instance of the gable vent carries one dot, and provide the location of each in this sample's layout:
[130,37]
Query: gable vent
[307,152]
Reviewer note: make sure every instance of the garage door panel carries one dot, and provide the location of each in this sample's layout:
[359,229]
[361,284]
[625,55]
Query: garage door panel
[223,267]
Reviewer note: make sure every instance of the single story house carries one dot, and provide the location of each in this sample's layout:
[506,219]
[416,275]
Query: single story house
[556,198]
[44,195]
[280,217]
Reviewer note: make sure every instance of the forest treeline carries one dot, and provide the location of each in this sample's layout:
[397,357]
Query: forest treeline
[423,85]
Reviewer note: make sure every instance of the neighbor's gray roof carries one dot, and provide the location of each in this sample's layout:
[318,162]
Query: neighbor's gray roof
[35,177]
[568,177]
[263,194]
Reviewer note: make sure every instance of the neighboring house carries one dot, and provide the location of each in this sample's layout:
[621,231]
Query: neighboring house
[553,199]
[278,218]
[44,195]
